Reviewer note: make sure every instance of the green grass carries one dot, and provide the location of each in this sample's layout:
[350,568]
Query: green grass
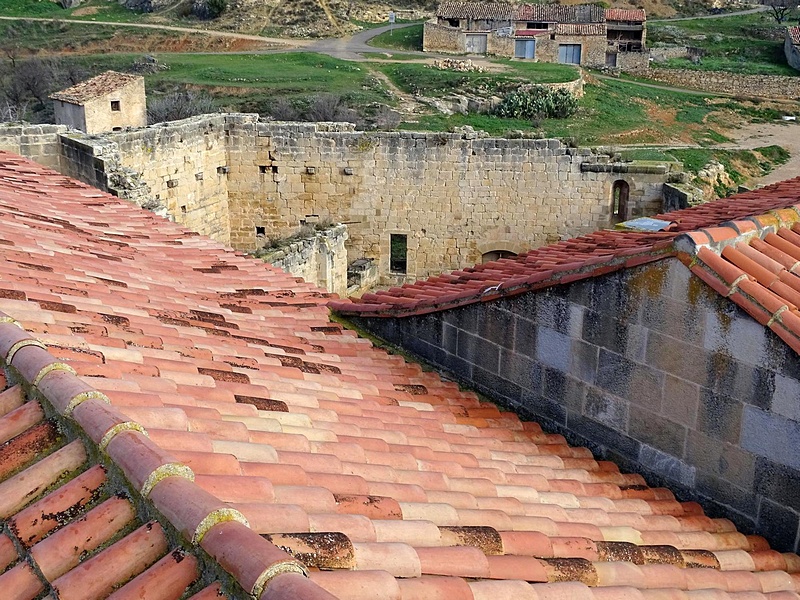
[390,56]
[31,36]
[405,38]
[102,10]
[747,44]
[648,154]
[428,81]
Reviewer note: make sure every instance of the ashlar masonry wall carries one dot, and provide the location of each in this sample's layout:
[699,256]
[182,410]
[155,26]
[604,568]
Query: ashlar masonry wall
[648,367]
[455,196]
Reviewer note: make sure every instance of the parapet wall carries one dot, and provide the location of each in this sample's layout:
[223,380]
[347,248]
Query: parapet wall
[37,142]
[648,367]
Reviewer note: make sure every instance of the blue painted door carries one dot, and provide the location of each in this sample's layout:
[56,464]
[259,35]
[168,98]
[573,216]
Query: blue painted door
[524,48]
[569,54]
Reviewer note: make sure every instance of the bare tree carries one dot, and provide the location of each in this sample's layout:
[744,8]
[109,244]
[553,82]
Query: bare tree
[179,105]
[330,107]
[780,9]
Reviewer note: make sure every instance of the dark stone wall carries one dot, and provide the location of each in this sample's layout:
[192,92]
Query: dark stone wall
[647,367]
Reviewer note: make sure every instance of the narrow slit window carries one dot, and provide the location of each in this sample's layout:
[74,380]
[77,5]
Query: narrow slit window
[261,230]
[115,105]
[398,253]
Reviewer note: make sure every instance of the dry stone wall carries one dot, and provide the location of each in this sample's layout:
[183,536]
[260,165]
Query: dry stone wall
[764,86]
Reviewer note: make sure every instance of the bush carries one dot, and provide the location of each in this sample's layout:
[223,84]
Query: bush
[178,105]
[209,9]
[537,102]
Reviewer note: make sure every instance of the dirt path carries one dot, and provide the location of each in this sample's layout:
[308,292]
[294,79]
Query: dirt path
[786,135]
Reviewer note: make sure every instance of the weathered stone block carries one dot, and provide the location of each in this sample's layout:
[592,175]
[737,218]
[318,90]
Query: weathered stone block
[681,400]
[721,459]
[719,416]
[772,436]
[656,431]
[779,524]
[607,409]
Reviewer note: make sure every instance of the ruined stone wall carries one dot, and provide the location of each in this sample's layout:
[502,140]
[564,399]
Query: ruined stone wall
[454,196]
[321,258]
[647,366]
[184,165]
[440,38]
[763,86]
[792,52]
[628,61]
[37,142]
[593,48]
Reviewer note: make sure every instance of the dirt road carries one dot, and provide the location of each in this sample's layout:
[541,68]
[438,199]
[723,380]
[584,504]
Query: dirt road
[786,135]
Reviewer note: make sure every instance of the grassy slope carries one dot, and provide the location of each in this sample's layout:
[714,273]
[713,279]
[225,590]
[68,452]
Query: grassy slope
[750,44]
[406,38]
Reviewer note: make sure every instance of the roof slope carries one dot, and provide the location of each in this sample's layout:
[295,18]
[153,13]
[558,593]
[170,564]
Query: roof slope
[626,14]
[474,10]
[383,480]
[565,261]
[103,84]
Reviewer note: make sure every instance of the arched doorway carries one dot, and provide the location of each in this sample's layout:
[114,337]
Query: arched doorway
[496,255]
[619,194]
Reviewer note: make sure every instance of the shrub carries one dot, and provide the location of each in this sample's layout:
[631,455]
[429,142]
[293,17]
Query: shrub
[178,105]
[537,102]
[209,9]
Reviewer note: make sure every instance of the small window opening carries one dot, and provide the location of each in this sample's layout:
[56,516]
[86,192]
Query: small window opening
[274,169]
[262,168]
[115,105]
[453,22]
[535,25]
[552,36]
[183,208]
[620,193]
[116,129]
[261,230]
[496,255]
[398,253]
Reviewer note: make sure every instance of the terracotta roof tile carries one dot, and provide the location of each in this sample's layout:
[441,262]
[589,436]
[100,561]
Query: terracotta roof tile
[625,14]
[282,444]
[474,10]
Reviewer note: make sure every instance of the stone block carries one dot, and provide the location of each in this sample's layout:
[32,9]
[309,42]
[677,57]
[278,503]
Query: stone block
[478,351]
[681,400]
[674,356]
[771,435]
[601,438]
[524,337]
[779,525]
[743,381]
[786,398]
[541,410]
[719,416]
[625,378]
[495,386]
[497,325]
[777,482]
[742,338]
[522,370]
[654,430]
[667,466]
[604,408]
[553,349]
[727,500]
[584,361]
[676,319]
[720,459]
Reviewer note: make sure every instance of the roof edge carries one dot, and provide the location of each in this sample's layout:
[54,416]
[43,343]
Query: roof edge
[205,523]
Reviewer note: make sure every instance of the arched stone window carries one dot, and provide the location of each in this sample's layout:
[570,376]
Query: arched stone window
[496,255]
[619,193]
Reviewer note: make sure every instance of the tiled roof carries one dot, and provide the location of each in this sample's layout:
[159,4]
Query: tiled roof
[756,263]
[311,451]
[474,10]
[580,29]
[625,14]
[565,261]
[556,13]
[95,87]
[794,35]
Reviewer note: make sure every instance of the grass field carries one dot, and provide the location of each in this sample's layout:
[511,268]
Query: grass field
[748,44]
[90,10]
[405,38]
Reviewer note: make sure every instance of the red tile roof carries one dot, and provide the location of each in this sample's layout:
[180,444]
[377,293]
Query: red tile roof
[756,263]
[580,29]
[103,84]
[475,10]
[153,362]
[625,14]
[794,35]
[565,261]
[557,13]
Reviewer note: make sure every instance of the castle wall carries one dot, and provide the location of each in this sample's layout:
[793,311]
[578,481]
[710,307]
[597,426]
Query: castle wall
[37,142]
[648,367]
[454,196]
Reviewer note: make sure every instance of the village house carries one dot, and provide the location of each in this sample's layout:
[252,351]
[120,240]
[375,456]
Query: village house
[584,34]
[792,47]
[109,102]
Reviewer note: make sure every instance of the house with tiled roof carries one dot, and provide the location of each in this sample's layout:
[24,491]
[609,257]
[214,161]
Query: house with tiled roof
[110,101]
[182,422]
[583,34]
[791,47]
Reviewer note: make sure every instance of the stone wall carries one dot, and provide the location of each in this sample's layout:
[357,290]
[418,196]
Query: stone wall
[37,142]
[593,48]
[792,52]
[440,38]
[648,367]
[321,258]
[628,61]
[185,166]
[452,195]
[764,86]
